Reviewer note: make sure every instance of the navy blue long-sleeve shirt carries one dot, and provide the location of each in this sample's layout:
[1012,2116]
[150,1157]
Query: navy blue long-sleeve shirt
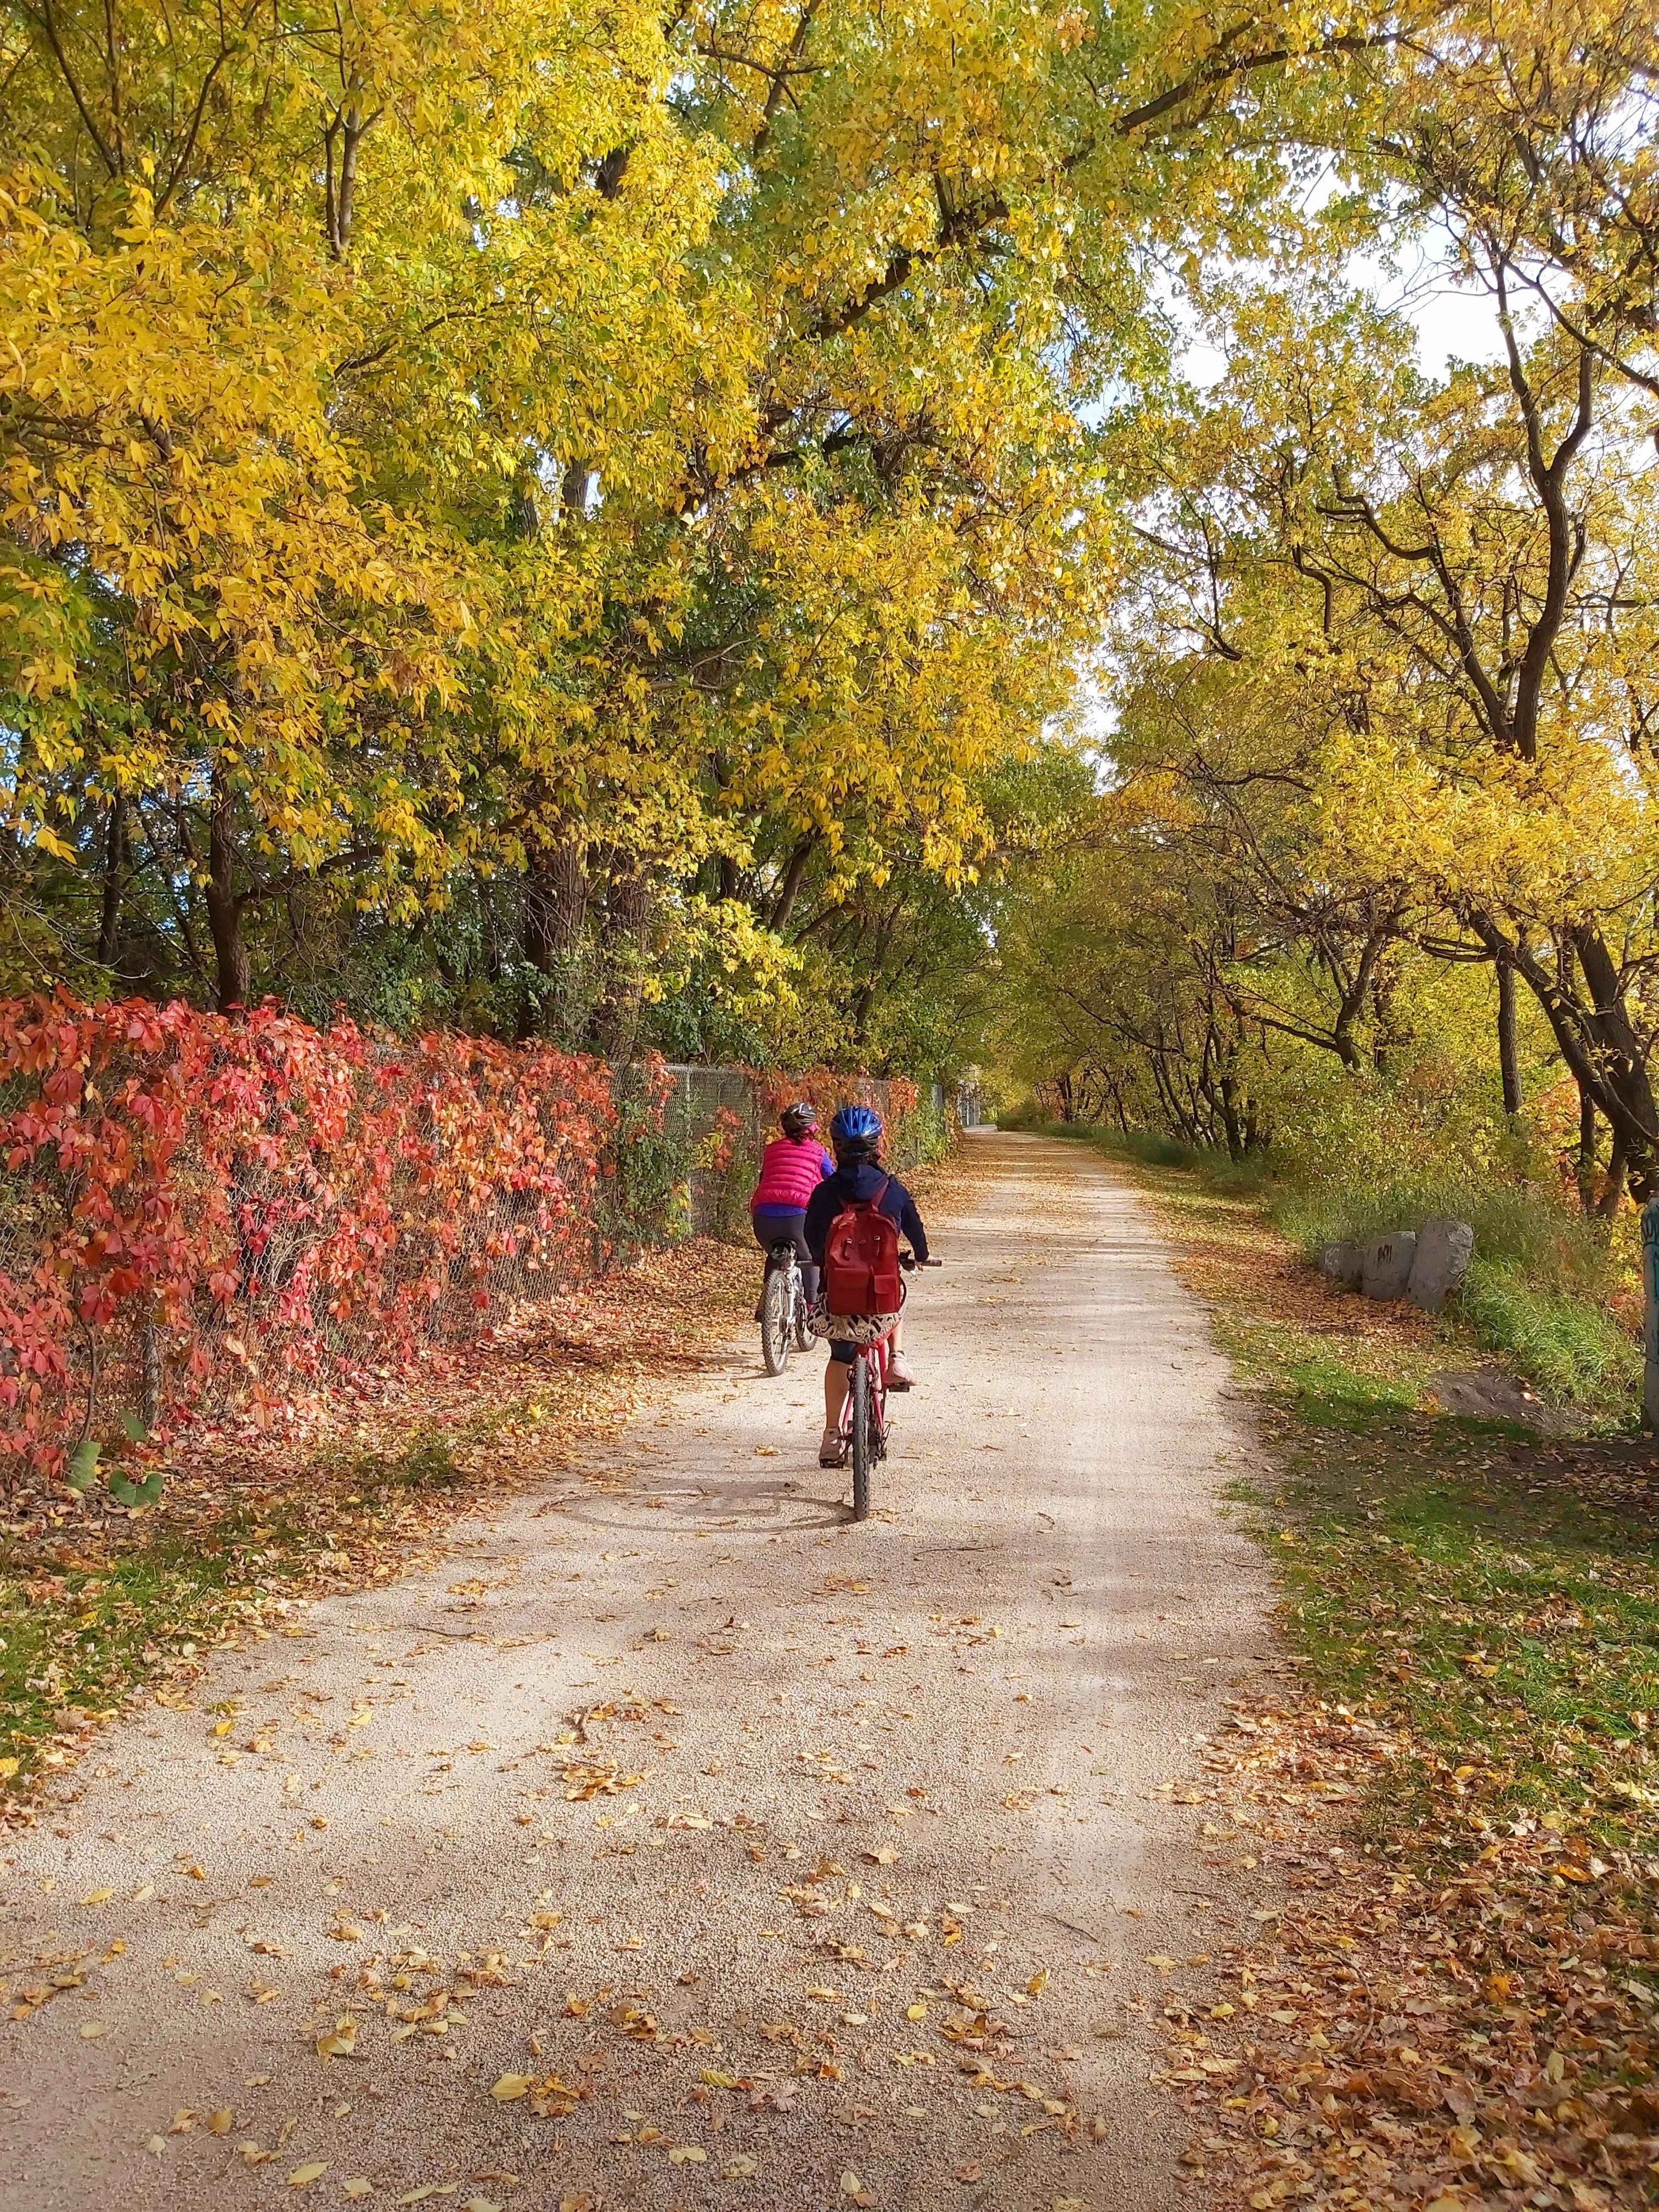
[852,1185]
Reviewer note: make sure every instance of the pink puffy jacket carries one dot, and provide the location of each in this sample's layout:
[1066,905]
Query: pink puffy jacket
[791,1169]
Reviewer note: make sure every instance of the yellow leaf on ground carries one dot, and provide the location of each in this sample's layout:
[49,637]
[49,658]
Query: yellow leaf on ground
[687,2154]
[93,2029]
[303,2175]
[359,2187]
[98,1896]
[511,2086]
[220,2123]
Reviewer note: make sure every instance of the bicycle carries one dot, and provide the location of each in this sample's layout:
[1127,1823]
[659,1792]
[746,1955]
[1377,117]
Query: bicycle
[864,1411]
[786,1324]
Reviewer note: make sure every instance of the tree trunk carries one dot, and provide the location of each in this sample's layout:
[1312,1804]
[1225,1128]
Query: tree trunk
[627,928]
[1614,1189]
[1601,1050]
[224,907]
[1228,1092]
[115,882]
[554,918]
[555,905]
[1584,1166]
[1509,1059]
[793,876]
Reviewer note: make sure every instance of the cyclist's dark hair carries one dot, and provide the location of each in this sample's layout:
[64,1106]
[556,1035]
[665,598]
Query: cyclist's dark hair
[850,1150]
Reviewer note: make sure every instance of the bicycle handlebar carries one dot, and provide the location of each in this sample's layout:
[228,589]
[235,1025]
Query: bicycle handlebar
[908,1259]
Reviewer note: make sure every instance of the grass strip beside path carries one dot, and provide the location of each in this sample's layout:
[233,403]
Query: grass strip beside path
[1460,2005]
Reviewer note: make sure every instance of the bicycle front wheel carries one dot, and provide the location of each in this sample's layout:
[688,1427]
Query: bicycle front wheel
[864,1436]
[777,1323]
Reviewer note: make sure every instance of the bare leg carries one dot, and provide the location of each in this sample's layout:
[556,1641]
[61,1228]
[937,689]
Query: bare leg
[899,1374]
[835,1391]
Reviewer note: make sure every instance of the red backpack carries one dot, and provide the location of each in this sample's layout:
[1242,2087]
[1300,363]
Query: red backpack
[862,1259]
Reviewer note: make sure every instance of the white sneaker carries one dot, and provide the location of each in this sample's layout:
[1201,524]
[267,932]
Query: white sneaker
[900,1374]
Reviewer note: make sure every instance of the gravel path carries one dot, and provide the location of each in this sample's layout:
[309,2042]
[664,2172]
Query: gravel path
[774,1861]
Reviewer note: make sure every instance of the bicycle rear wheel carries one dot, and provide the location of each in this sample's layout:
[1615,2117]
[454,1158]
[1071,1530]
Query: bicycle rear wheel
[777,1321]
[864,1436]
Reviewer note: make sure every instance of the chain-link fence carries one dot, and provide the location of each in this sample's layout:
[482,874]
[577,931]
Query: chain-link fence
[197,1213]
[716,1122]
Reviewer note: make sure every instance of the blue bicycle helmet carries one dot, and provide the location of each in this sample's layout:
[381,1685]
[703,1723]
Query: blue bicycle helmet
[855,1129]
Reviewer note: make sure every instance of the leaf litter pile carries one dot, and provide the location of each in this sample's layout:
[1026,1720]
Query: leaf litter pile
[1458,2005]
[97,1600]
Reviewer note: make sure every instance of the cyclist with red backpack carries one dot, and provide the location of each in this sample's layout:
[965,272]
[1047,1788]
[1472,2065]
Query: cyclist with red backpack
[854,1222]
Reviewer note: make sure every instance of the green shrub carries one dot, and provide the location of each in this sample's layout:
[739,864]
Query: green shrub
[1541,1286]
[1570,1347]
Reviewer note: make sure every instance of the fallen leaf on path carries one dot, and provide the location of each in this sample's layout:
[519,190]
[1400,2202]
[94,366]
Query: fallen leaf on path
[588,1780]
[687,2154]
[342,2043]
[98,1896]
[357,2187]
[303,2175]
[92,2029]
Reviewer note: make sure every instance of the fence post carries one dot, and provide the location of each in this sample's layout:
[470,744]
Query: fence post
[1650,1315]
[152,1372]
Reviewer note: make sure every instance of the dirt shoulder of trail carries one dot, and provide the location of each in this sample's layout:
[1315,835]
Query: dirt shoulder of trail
[100,1606]
[1457,2009]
